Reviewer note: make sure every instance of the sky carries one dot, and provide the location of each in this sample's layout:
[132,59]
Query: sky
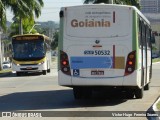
[50,11]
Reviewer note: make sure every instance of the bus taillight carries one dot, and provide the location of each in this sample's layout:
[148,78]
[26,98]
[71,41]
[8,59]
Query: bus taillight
[130,64]
[64,63]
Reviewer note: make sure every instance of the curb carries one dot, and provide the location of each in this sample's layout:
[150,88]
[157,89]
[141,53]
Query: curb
[154,105]
[154,111]
[5,74]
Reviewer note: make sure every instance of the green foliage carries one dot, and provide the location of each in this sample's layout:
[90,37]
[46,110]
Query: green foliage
[27,25]
[54,43]
[5,71]
[154,48]
[158,105]
[3,14]
[24,9]
[156,60]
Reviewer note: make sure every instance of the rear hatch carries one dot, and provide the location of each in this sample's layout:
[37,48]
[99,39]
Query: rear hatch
[95,34]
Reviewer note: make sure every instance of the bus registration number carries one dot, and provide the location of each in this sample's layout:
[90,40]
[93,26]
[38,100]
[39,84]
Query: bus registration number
[97,52]
[29,68]
[97,72]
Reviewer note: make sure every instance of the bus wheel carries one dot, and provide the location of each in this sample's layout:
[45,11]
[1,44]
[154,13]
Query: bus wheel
[139,93]
[44,72]
[130,94]
[77,91]
[49,70]
[18,73]
[146,87]
[87,92]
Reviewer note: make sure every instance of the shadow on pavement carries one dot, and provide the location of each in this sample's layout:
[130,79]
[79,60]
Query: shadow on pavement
[22,75]
[58,99]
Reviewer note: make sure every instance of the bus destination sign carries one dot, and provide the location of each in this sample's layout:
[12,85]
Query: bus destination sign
[27,38]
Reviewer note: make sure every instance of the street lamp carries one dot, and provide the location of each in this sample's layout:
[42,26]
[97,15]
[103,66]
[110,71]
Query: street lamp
[33,27]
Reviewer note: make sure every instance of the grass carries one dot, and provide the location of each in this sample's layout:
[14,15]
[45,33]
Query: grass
[5,71]
[158,105]
[156,60]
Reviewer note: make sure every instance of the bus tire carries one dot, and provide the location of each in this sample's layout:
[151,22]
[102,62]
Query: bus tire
[44,72]
[18,73]
[146,87]
[139,93]
[87,92]
[49,70]
[130,94]
[78,93]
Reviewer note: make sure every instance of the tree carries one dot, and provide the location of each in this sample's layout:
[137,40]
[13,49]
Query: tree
[27,25]
[127,2]
[20,8]
[26,9]
[3,5]
[54,44]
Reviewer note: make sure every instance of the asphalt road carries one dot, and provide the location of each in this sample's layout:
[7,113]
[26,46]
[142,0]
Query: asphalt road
[36,92]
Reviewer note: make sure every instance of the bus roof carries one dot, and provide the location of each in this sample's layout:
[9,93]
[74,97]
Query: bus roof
[113,5]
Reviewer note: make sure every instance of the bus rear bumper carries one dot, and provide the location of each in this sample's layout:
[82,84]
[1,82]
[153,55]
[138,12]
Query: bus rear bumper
[123,81]
[133,79]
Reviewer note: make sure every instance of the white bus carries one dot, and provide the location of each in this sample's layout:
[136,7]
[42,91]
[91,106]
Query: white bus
[31,53]
[104,46]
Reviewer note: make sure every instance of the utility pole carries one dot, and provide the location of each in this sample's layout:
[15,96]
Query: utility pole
[33,27]
[0,50]
[20,27]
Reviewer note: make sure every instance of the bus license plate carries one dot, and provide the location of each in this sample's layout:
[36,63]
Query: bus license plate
[97,72]
[29,68]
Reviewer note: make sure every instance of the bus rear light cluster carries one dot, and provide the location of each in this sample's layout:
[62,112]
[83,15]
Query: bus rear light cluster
[64,63]
[131,62]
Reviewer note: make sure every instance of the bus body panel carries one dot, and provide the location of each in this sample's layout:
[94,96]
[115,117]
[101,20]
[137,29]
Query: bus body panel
[131,80]
[64,80]
[96,21]
[91,29]
[86,58]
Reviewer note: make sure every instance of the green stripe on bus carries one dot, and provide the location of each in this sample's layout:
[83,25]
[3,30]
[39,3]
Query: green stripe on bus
[135,36]
[60,39]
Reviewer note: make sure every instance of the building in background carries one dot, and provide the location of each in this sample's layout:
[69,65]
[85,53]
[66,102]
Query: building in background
[150,6]
[151,9]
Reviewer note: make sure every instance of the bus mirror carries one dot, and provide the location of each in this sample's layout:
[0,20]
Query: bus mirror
[45,46]
[152,39]
[61,14]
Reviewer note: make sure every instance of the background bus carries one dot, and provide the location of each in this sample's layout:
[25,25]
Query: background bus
[31,53]
[104,46]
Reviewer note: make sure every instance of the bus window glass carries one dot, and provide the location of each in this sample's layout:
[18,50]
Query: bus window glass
[140,33]
[23,50]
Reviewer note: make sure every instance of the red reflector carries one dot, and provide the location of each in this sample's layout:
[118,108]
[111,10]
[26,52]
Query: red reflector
[130,63]
[64,62]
